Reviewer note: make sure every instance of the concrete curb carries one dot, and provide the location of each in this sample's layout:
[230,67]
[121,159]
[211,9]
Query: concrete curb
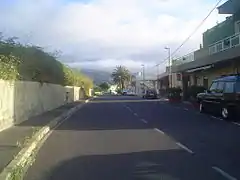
[21,159]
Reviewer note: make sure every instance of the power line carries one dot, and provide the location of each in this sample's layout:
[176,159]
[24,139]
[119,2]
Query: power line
[194,31]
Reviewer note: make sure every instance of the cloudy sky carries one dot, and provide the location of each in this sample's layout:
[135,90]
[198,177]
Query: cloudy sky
[100,34]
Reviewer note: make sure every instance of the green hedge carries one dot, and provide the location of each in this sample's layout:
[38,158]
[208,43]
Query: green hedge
[32,63]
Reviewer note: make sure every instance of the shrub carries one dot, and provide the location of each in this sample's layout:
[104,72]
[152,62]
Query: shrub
[32,63]
[174,93]
[192,91]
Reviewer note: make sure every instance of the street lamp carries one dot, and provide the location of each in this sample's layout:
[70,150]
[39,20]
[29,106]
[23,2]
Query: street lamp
[143,72]
[170,65]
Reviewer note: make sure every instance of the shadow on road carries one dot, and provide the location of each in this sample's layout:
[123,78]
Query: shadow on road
[151,165]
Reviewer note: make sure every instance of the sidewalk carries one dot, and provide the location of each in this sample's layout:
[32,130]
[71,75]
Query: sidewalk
[13,139]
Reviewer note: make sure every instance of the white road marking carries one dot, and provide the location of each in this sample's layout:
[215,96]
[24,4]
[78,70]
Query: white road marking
[185,148]
[135,114]
[217,118]
[186,109]
[238,124]
[129,108]
[144,121]
[158,130]
[226,175]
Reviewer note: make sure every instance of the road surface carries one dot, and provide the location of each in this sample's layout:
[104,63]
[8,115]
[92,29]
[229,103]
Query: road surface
[126,138]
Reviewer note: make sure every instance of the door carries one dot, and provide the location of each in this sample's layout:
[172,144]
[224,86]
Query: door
[214,97]
[219,98]
[205,82]
[229,93]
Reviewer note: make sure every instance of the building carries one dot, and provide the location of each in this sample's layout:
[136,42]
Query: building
[219,55]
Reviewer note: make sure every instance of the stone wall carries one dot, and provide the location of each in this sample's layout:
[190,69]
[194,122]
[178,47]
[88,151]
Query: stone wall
[20,100]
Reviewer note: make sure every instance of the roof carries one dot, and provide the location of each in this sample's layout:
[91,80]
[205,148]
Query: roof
[229,78]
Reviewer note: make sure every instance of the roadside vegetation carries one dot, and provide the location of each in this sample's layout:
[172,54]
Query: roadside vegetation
[121,76]
[31,63]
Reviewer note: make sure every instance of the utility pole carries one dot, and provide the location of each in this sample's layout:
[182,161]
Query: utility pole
[143,76]
[170,66]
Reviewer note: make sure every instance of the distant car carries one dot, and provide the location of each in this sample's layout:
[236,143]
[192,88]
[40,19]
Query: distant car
[150,94]
[223,96]
[124,92]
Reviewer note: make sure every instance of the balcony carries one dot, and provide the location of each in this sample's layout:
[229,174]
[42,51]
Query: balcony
[184,59]
[225,44]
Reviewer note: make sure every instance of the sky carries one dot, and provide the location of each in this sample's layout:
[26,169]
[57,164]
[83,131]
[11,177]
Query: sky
[100,34]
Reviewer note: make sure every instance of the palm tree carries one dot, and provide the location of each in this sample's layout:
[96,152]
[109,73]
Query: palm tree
[121,76]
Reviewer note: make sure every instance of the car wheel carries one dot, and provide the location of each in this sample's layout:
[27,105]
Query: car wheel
[228,113]
[201,107]
[225,113]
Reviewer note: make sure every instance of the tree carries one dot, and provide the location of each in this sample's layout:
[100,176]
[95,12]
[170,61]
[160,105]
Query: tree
[104,86]
[121,76]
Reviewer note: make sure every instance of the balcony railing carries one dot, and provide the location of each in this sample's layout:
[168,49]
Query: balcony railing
[224,44]
[184,59]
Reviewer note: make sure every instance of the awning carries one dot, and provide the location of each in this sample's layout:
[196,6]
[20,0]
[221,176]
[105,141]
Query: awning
[199,69]
[229,7]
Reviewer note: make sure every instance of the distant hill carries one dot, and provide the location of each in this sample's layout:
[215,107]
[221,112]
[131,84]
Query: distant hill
[97,76]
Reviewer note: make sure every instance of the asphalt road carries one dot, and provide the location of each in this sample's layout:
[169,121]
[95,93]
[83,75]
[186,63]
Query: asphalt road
[126,138]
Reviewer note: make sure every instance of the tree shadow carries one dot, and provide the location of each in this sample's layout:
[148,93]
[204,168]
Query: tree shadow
[148,165]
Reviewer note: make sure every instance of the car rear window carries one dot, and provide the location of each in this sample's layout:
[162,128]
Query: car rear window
[238,87]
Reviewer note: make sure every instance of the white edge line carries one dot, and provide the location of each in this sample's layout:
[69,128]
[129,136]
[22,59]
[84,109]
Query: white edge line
[185,148]
[238,124]
[144,121]
[226,175]
[158,130]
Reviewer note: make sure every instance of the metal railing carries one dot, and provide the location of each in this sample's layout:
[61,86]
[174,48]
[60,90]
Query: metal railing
[184,59]
[224,44]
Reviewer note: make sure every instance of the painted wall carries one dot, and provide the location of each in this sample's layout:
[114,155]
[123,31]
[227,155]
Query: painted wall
[20,100]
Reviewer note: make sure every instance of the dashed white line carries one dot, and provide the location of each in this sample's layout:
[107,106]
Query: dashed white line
[185,148]
[135,114]
[224,174]
[238,124]
[158,130]
[129,108]
[217,118]
[186,109]
[144,121]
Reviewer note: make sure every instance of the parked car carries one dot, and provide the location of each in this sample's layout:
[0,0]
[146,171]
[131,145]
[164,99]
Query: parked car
[222,97]
[150,94]
[124,92]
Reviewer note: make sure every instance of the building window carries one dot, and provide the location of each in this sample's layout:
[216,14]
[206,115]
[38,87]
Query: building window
[237,27]
[179,77]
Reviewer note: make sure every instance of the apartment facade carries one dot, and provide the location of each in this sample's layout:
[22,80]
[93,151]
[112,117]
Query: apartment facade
[219,55]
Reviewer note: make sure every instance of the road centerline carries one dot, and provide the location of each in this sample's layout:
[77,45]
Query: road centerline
[223,173]
[158,130]
[144,121]
[184,147]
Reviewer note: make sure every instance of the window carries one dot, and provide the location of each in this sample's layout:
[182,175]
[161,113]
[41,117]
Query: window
[237,27]
[213,86]
[220,87]
[238,87]
[229,87]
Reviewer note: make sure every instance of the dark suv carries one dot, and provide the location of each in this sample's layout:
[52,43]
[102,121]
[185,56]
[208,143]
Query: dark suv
[150,94]
[222,97]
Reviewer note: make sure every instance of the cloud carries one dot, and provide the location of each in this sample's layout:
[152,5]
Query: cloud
[105,33]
